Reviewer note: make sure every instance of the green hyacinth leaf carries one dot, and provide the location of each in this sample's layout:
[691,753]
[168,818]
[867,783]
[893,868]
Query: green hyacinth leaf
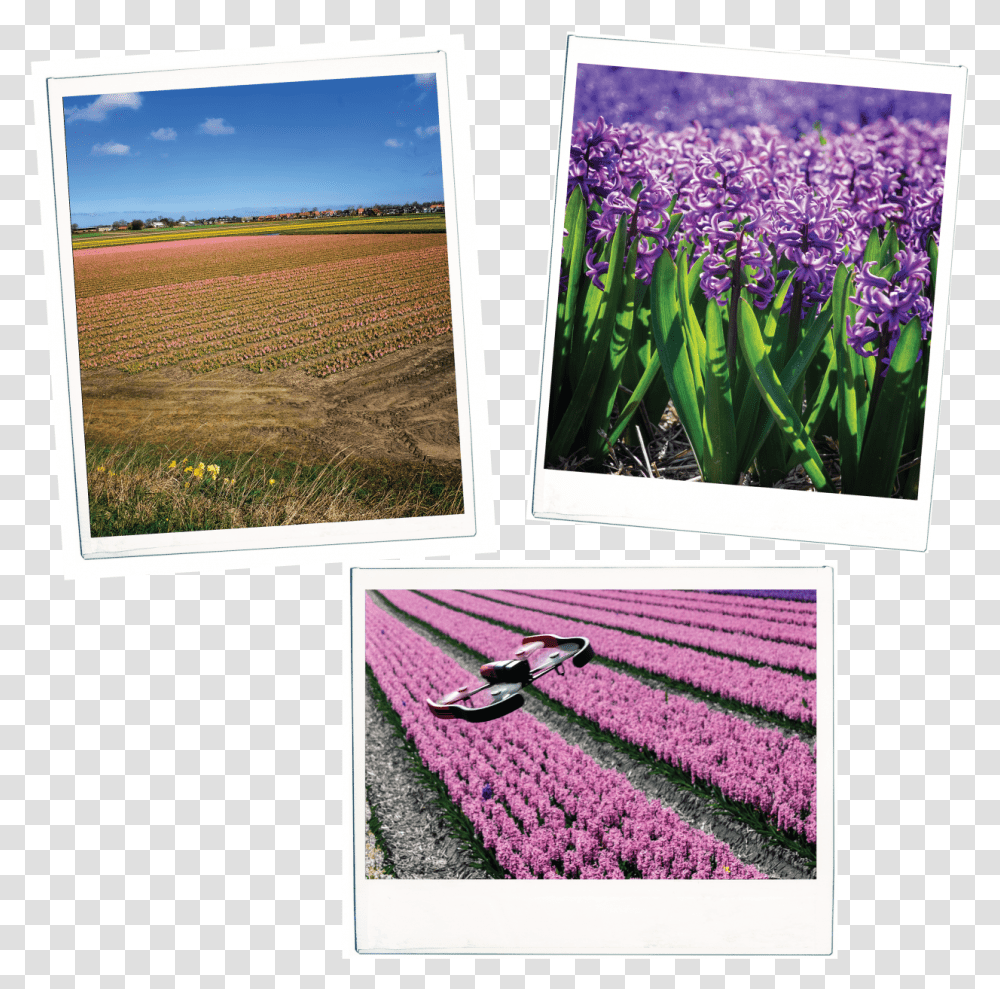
[597,353]
[852,385]
[574,249]
[880,456]
[932,254]
[790,376]
[777,400]
[586,324]
[650,377]
[675,356]
[889,246]
[721,453]
[611,376]
[873,249]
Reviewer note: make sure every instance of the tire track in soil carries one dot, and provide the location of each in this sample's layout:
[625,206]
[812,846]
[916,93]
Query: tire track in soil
[747,844]
[287,412]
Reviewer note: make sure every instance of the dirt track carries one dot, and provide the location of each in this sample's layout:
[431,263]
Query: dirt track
[403,408]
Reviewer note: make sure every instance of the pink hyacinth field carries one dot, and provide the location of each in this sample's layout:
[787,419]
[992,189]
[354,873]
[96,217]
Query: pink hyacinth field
[684,749]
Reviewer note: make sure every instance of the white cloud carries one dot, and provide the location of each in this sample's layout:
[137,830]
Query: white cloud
[109,148]
[425,79]
[393,143]
[428,131]
[215,127]
[164,134]
[102,106]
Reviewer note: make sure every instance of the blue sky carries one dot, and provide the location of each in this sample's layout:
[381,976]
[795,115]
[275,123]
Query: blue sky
[332,143]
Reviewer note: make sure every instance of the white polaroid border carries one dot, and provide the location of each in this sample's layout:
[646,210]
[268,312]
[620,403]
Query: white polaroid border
[779,514]
[219,550]
[599,917]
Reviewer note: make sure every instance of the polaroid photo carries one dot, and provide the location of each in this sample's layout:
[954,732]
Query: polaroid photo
[261,304]
[748,294]
[526,739]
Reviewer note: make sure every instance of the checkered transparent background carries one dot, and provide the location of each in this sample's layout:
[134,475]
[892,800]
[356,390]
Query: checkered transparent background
[173,808]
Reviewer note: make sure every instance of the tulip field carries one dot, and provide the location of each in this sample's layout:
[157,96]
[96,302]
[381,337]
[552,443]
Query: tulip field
[715,692]
[321,304]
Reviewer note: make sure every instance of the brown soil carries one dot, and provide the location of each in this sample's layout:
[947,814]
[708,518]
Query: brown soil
[402,408]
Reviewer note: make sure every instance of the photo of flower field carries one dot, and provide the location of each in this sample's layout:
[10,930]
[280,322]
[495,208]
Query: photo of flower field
[267,364]
[685,749]
[748,281]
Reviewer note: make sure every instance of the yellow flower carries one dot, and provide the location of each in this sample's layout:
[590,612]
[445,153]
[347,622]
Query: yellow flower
[271,481]
[188,470]
[173,463]
[100,470]
[197,472]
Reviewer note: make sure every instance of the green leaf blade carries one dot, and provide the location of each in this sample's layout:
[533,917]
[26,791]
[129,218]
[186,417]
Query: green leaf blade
[776,398]
[597,351]
[880,457]
[722,461]
[852,387]
[675,356]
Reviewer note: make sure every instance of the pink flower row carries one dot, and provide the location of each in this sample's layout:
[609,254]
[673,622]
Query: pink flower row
[179,311]
[737,636]
[550,812]
[756,766]
[236,345]
[263,316]
[769,689]
[801,612]
[569,604]
[350,269]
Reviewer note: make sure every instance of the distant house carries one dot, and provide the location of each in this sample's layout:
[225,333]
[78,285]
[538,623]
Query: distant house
[157,223]
[104,230]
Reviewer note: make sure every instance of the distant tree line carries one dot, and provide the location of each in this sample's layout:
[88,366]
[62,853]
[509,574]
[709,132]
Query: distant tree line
[169,221]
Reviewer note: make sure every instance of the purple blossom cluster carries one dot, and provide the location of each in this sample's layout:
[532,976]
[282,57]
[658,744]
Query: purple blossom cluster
[747,631]
[758,686]
[668,100]
[886,304]
[570,605]
[756,766]
[544,808]
[758,206]
[787,595]
[741,603]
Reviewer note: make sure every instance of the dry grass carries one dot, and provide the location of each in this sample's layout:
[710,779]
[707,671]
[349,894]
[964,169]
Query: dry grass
[146,489]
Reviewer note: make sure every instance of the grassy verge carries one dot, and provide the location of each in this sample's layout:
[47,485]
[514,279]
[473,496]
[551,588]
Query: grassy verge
[152,489]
